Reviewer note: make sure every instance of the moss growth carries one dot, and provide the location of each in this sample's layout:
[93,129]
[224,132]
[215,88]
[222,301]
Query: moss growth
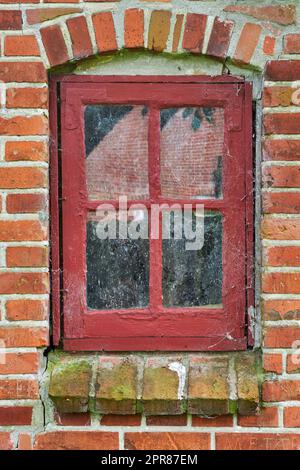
[233,407]
[245,69]
[120,392]
[123,55]
[160,383]
[202,63]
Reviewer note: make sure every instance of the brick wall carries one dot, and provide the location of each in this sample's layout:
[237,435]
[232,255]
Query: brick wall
[36,36]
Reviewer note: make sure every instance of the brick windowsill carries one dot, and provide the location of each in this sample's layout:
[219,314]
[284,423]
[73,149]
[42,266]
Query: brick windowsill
[200,384]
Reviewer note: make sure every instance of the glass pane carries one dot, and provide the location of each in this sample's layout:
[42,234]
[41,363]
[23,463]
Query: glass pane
[116,143]
[191,150]
[117,269]
[194,277]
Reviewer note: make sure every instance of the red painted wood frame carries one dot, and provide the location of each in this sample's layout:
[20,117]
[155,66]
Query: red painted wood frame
[155,327]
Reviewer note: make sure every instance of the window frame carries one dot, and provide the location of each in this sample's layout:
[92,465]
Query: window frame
[150,329]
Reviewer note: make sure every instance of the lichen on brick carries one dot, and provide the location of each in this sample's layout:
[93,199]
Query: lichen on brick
[209,386]
[161,388]
[248,371]
[204,384]
[69,385]
[116,386]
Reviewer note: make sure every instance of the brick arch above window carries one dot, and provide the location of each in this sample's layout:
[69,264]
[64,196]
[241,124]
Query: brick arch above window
[68,34]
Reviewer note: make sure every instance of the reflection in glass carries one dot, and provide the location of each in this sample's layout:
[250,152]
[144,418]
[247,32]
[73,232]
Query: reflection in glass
[194,277]
[117,270]
[191,150]
[116,143]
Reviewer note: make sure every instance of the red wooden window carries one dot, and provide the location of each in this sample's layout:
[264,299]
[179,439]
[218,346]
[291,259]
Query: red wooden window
[156,140]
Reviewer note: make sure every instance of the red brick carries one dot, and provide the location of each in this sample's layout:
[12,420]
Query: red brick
[280,229]
[267,418]
[281,309]
[18,389]
[5,441]
[38,15]
[281,203]
[28,309]
[291,417]
[281,149]
[72,419]
[282,256]
[27,98]
[257,441]
[282,123]
[220,38]
[23,283]
[80,37]
[218,421]
[54,44]
[23,72]
[21,46]
[272,363]
[10,19]
[247,43]
[25,203]
[15,416]
[284,390]
[291,44]
[134,28]
[280,70]
[277,96]
[19,256]
[282,176]
[105,31]
[20,363]
[177,32]
[18,1]
[179,420]
[159,29]
[32,151]
[281,283]
[25,441]
[15,337]
[24,125]
[77,440]
[281,14]
[194,32]
[293,360]
[167,441]
[269,45]
[61,1]
[121,420]
[22,177]
[22,230]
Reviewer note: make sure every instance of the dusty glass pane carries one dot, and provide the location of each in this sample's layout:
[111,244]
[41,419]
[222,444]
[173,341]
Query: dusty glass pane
[117,269]
[191,150]
[116,143]
[194,277]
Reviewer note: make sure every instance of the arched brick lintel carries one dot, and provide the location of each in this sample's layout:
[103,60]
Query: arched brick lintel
[77,35]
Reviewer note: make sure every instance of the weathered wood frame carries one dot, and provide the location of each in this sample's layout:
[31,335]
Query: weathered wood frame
[156,327]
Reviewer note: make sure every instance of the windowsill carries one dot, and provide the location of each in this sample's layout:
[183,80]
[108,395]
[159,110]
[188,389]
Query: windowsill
[207,384]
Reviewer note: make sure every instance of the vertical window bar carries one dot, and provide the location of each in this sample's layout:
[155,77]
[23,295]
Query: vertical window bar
[155,278]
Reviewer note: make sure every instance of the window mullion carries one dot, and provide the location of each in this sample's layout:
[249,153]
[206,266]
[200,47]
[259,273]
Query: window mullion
[155,243]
